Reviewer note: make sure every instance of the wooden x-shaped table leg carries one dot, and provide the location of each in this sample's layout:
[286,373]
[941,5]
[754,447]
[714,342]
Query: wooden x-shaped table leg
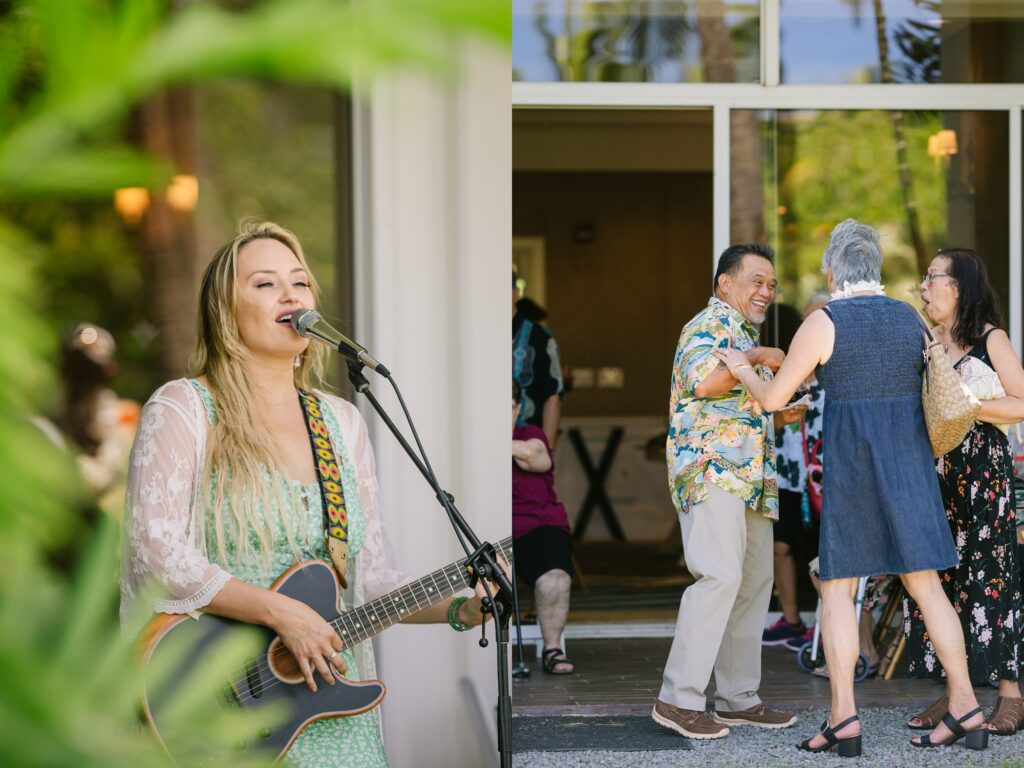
[596,494]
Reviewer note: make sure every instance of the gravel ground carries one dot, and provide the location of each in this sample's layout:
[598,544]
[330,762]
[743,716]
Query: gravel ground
[886,744]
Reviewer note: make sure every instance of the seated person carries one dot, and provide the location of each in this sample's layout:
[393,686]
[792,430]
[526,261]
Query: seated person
[541,542]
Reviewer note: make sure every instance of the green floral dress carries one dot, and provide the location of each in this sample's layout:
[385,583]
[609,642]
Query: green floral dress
[162,545]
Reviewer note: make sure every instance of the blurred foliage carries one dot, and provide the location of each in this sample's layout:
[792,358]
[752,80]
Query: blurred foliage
[70,72]
[836,164]
[292,131]
[91,272]
[69,691]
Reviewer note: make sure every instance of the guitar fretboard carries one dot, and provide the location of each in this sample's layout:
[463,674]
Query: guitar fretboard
[367,620]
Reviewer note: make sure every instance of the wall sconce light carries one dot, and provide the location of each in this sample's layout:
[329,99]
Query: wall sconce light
[942,145]
[183,193]
[131,203]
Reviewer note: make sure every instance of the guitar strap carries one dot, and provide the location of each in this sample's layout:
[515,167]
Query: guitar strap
[332,496]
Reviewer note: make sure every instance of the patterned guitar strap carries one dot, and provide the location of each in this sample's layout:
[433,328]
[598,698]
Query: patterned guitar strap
[332,496]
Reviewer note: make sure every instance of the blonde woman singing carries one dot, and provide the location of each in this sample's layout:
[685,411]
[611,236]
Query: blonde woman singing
[224,494]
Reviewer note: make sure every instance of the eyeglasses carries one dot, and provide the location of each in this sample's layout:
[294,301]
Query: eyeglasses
[931,278]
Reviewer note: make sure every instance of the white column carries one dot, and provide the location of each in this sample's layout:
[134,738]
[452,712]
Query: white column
[721,178]
[433,303]
[771,43]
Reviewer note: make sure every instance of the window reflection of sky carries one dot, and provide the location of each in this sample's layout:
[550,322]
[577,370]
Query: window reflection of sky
[537,24]
[828,41]
[531,58]
[822,41]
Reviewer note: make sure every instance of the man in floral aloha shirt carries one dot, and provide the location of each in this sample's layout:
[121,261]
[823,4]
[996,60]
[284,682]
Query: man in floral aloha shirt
[721,471]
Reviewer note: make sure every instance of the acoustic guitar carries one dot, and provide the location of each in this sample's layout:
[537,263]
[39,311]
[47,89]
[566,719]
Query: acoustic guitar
[273,678]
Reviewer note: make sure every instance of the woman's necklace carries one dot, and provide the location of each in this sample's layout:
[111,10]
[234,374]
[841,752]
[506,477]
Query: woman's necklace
[952,349]
[290,399]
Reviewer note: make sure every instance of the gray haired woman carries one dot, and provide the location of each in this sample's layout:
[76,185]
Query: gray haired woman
[881,507]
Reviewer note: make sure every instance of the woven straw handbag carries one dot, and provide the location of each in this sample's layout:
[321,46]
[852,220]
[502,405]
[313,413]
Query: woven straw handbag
[949,406]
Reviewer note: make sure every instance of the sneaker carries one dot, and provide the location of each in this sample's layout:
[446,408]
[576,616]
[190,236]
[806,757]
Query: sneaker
[688,722]
[760,716]
[796,643]
[781,631]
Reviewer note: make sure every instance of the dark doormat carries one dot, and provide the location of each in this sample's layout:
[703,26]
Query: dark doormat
[615,734]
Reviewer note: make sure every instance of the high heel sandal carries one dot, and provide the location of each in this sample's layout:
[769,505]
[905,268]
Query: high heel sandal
[849,746]
[976,739]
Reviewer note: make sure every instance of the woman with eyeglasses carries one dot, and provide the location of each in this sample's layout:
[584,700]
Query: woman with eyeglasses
[976,480]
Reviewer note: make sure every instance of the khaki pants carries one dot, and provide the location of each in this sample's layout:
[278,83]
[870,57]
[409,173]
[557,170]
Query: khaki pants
[728,549]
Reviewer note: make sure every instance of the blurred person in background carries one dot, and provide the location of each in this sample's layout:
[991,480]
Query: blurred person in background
[224,493]
[541,537]
[536,366]
[797,444]
[99,424]
[976,480]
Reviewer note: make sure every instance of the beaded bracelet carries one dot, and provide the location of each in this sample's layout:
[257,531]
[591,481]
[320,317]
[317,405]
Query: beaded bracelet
[453,614]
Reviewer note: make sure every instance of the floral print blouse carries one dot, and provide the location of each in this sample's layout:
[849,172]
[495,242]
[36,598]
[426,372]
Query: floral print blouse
[790,462]
[727,440]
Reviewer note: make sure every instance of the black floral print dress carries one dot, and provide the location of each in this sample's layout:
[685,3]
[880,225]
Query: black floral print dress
[976,479]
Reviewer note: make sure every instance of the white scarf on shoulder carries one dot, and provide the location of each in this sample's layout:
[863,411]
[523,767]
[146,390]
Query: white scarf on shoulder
[860,286]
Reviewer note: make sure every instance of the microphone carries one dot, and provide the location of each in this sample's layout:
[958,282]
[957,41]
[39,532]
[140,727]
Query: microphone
[309,323]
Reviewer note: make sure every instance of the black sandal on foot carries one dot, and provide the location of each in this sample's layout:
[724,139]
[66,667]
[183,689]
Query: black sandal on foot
[551,658]
[849,746]
[976,739]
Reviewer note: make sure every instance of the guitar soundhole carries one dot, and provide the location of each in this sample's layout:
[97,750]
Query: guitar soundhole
[282,664]
[252,674]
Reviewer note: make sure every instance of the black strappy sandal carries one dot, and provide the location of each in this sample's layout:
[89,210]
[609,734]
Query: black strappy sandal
[849,746]
[976,739]
[552,657]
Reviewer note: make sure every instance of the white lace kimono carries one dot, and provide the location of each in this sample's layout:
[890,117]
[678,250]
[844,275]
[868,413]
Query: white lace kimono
[166,541]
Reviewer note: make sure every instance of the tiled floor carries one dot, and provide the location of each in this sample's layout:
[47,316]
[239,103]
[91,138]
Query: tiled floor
[622,677]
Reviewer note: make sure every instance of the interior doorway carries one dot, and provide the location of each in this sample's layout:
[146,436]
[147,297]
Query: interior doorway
[612,224]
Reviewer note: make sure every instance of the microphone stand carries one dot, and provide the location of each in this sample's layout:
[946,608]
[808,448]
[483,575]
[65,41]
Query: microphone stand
[520,670]
[480,561]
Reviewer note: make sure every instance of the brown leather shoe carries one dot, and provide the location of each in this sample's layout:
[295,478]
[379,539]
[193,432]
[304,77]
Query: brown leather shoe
[1008,716]
[759,716]
[688,722]
[932,716]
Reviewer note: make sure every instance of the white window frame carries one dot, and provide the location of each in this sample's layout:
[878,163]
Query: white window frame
[769,94]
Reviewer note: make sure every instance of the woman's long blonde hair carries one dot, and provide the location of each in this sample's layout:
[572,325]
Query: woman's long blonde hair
[240,465]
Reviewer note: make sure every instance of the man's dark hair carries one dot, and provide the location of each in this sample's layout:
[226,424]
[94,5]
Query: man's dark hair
[517,390]
[531,310]
[729,261]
